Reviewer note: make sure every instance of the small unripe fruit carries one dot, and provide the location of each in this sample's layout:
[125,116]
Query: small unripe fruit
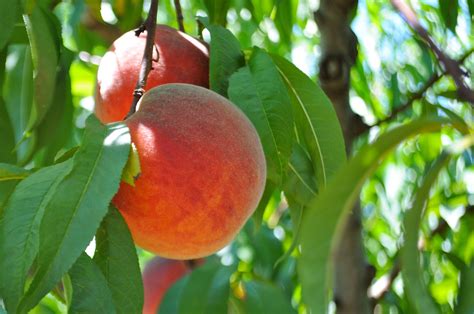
[181,59]
[202,172]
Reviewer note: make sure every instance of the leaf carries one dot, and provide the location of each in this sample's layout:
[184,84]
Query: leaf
[132,169]
[56,127]
[284,19]
[449,13]
[217,11]
[19,229]
[128,13]
[18,96]
[205,290]
[412,273]
[117,258]
[316,121]
[8,140]
[12,172]
[262,205]
[258,90]
[470,4]
[10,11]
[263,297]
[225,57]
[300,183]
[79,204]
[45,54]
[465,302]
[90,292]
[326,213]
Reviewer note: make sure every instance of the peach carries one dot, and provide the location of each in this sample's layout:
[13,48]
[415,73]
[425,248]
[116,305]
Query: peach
[158,276]
[182,59]
[202,172]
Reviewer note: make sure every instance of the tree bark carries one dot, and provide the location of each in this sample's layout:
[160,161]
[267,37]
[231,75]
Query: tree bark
[338,54]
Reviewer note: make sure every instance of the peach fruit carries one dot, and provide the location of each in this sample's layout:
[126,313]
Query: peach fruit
[202,172]
[158,276]
[182,59]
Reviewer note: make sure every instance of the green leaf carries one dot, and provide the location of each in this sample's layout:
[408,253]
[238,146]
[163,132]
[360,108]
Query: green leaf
[217,11]
[45,54]
[412,273]
[56,127]
[10,11]
[261,94]
[262,205]
[18,96]
[12,172]
[79,204]
[470,3]
[90,292]
[8,139]
[465,302]
[117,258]
[316,120]
[449,13]
[128,13]
[19,229]
[225,57]
[205,290]
[283,20]
[325,215]
[263,297]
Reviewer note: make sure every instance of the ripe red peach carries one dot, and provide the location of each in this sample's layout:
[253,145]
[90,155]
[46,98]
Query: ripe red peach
[202,175]
[158,276]
[182,59]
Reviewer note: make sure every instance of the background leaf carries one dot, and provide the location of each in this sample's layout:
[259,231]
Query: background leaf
[205,290]
[79,204]
[465,302]
[326,213]
[45,53]
[263,297]
[217,11]
[10,13]
[449,12]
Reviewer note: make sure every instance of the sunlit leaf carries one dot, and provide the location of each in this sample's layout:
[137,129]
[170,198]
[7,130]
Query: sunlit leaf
[316,120]
[79,204]
[326,213]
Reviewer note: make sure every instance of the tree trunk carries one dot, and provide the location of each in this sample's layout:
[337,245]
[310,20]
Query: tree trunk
[338,54]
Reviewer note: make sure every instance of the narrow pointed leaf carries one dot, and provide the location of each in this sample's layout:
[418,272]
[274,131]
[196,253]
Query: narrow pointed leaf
[259,91]
[79,204]
[316,120]
[45,54]
[19,229]
[90,291]
[326,212]
[117,259]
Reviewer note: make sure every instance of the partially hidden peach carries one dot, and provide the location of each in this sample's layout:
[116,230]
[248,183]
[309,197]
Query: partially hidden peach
[158,276]
[181,59]
[202,172]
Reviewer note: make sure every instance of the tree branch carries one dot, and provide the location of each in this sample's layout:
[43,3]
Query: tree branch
[420,93]
[450,65]
[150,27]
[179,15]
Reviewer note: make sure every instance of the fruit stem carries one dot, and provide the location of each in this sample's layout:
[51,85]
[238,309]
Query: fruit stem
[179,15]
[150,26]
